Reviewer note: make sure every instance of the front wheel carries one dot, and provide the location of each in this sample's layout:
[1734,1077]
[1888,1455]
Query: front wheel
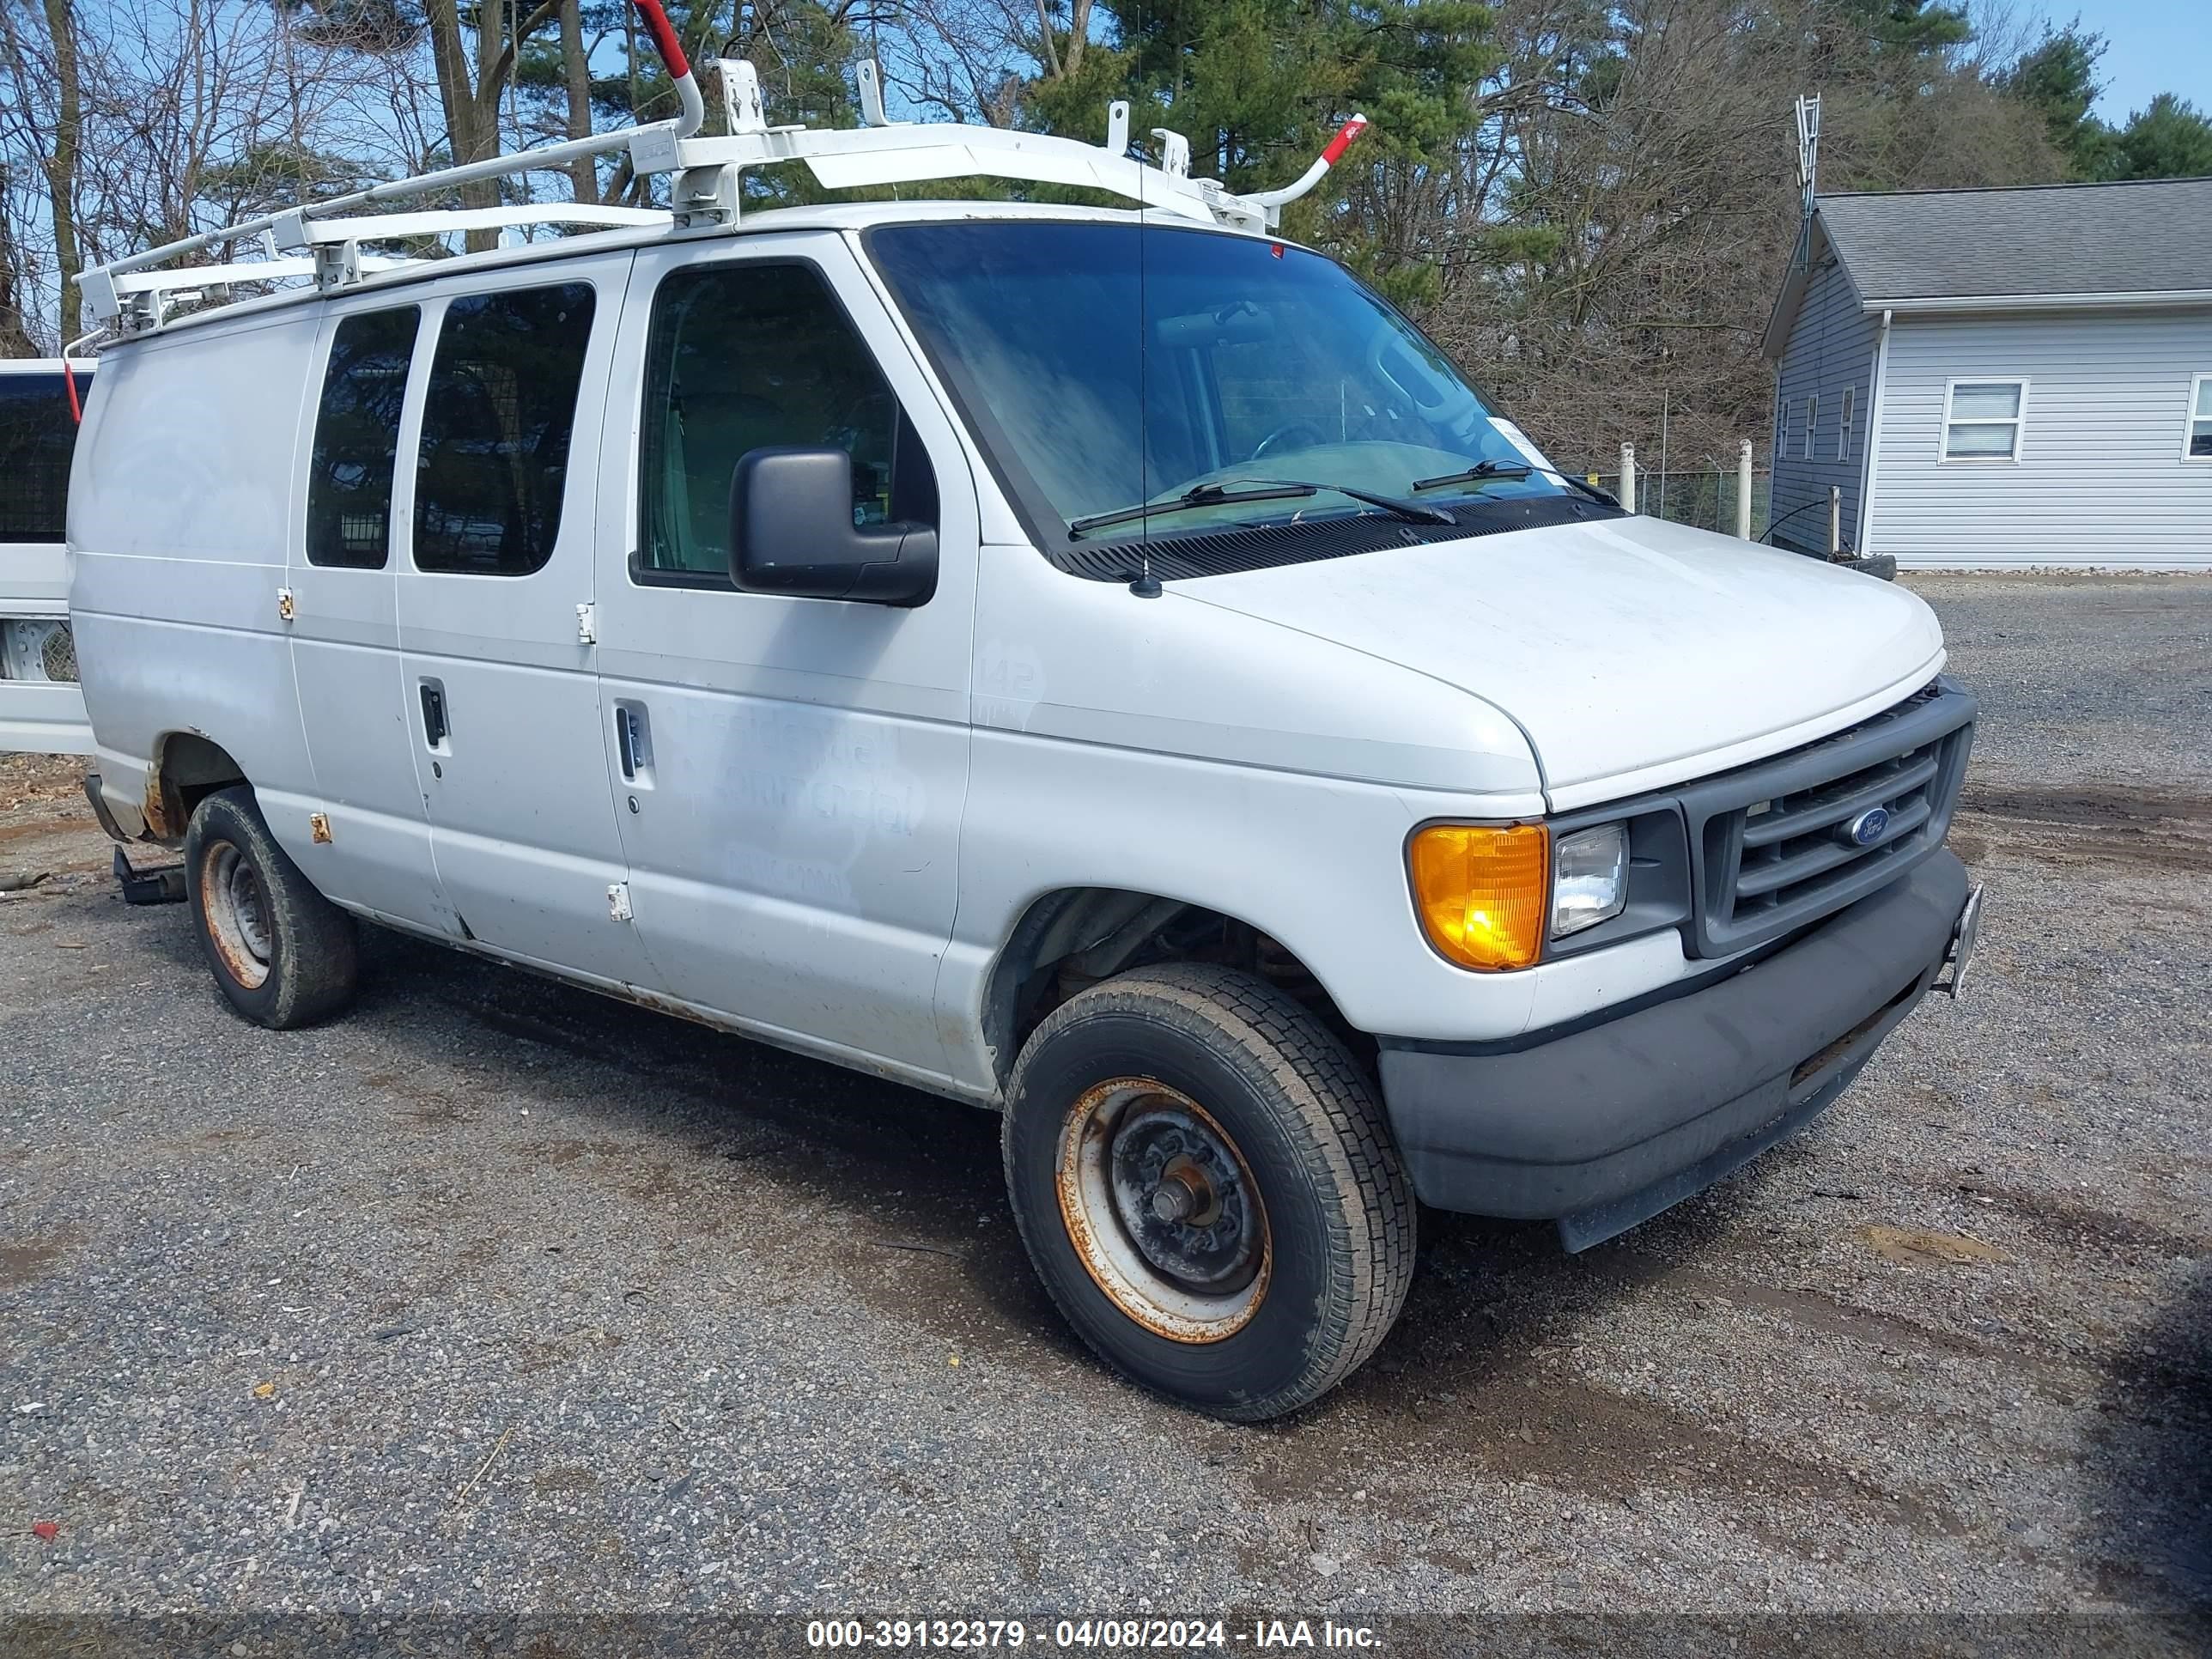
[1208,1186]
[284,954]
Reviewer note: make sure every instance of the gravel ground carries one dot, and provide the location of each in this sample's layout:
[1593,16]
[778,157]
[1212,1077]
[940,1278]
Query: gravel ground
[497,1295]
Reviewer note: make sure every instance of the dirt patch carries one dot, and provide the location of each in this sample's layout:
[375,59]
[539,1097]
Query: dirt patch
[1485,1376]
[975,1292]
[428,1104]
[544,1354]
[1560,1432]
[1816,1314]
[2089,808]
[24,1259]
[567,1478]
[1918,1247]
[2073,1225]
[2134,828]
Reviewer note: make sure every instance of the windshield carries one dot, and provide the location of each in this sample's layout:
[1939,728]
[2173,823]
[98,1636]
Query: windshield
[1248,361]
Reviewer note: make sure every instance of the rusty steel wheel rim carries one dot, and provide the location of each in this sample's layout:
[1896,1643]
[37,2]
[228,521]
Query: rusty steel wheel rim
[237,910]
[1163,1210]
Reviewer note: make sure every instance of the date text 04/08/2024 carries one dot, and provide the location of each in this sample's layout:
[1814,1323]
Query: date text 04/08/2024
[1107,1635]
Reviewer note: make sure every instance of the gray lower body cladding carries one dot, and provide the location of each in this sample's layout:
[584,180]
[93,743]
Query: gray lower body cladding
[1606,1126]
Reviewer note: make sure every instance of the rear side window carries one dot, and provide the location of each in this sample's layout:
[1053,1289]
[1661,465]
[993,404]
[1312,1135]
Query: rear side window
[497,425]
[357,438]
[37,435]
[747,355]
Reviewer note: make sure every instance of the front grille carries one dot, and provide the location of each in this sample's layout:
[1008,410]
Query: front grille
[1768,841]
[1793,845]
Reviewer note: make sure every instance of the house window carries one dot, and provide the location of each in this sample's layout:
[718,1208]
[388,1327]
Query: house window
[1982,420]
[2199,445]
[1844,433]
[1811,422]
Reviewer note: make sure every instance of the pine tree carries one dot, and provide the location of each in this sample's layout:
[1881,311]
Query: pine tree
[2170,139]
[2059,78]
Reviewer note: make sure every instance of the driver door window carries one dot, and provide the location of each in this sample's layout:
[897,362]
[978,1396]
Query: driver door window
[742,357]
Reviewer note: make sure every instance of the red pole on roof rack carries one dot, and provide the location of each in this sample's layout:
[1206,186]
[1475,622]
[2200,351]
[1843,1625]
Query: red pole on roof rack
[1347,135]
[69,379]
[670,48]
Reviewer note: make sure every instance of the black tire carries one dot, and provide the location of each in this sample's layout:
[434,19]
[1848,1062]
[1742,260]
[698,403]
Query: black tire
[284,954]
[1302,1126]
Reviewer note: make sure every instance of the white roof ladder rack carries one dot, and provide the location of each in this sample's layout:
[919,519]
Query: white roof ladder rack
[887,152]
[323,240]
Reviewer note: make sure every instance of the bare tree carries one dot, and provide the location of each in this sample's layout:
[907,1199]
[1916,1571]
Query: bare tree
[968,60]
[47,105]
[470,92]
[576,83]
[16,338]
[1614,245]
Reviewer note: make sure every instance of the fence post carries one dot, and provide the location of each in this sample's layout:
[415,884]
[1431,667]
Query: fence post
[1628,476]
[1743,491]
[1835,520]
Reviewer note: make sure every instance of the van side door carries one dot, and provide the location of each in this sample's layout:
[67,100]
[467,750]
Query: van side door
[790,772]
[351,502]
[493,613]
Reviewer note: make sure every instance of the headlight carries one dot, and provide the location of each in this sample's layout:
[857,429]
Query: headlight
[1589,880]
[1479,890]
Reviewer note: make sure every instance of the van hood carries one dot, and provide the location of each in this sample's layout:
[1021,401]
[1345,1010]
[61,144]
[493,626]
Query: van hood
[1633,652]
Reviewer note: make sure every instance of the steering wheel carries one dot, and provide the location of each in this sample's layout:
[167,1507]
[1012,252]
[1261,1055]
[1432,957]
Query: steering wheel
[1458,416]
[1283,433]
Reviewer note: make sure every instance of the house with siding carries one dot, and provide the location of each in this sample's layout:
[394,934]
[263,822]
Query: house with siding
[2000,378]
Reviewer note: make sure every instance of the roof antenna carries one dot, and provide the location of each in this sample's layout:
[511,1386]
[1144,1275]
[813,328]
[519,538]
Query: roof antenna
[1175,161]
[1808,170]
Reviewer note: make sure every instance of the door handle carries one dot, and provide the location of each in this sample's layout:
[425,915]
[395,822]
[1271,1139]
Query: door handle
[434,728]
[633,743]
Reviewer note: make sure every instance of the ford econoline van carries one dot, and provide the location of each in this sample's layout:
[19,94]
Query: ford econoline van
[1104,666]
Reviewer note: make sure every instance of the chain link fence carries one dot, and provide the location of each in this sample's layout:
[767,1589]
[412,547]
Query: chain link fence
[1705,497]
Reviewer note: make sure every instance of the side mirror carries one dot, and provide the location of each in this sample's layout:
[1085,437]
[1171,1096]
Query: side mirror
[792,531]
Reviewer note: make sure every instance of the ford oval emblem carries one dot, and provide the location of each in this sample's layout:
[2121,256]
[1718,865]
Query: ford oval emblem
[1867,829]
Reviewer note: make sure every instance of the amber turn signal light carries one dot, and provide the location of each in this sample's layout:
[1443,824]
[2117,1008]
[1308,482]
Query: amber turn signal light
[1481,890]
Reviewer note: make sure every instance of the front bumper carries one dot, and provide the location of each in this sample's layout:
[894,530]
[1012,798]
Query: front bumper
[1606,1126]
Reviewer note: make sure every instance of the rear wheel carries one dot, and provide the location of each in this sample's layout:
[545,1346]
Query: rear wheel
[284,954]
[1208,1188]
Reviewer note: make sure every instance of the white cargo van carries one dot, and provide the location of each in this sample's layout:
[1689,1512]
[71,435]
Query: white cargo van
[1107,666]
[41,710]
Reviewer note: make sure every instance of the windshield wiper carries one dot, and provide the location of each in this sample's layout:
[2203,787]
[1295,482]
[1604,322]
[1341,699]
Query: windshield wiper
[1479,472]
[1411,512]
[1482,472]
[1206,495]
[1263,489]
